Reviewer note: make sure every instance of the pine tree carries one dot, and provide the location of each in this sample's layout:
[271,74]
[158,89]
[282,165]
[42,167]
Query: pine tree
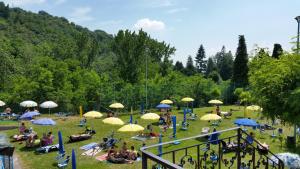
[190,68]
[210,67]
[277,51]
[179,67]
[200,60]
[240,65]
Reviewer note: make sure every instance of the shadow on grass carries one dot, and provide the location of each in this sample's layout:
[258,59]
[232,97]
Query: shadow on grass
[27,149]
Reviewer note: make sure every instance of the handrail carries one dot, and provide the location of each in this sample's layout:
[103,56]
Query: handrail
[188,138]
[257,142]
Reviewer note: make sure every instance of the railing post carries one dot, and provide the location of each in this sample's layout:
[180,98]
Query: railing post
[239,136]
[144,161]
[253,158]
[198,156]
[220,151]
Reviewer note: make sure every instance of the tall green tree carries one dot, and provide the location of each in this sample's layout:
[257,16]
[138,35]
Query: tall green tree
[240,64]
[200,60]
[224,62]
[277,51]
[210,66]
[190,68]
[179,67]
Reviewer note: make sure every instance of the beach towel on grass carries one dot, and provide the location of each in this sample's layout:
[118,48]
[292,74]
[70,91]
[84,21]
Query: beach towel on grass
[103,157]
[88,146]
[92,152]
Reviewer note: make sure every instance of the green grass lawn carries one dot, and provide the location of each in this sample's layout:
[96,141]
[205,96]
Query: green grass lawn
[69,126]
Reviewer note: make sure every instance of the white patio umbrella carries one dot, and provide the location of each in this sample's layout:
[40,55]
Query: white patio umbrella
[2,103]
[48,105]
[28,103]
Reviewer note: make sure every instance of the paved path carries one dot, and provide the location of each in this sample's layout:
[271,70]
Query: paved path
[16,162]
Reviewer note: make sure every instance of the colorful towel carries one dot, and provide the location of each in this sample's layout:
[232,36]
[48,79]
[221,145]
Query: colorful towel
[102,157]
[92,152]
[88,146]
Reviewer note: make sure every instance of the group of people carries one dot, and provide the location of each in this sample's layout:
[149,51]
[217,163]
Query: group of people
[30,136]
[124,155]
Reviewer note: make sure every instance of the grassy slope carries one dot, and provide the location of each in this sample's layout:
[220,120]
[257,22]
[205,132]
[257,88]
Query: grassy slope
[69,126]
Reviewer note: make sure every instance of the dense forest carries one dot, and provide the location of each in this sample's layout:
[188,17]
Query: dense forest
[44,57]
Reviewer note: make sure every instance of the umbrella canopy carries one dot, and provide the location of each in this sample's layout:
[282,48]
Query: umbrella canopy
[209,117]
[187,99]
[253,108]
[131,128]
[215,102]
[116,106]
[60,144]
[93,114]
[245,122]
[166,101]
[29,114]
[28,103]
[290,160]
[48,105]
[163,106]
[150,116]
[2,103]
[73,159]
[44,122]
[113,120]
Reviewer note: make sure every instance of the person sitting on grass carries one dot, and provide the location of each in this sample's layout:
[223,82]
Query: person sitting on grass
[124,151]
[44,140]
[22,128]
[31,138]
[132,154]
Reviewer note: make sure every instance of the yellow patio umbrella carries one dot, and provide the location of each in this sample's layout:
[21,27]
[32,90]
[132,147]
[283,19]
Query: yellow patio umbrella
[150,116]
[209,117]
[113,120]
[187,99]
[93,114]
[166,101]
[215,102]
[254,108]
[116,106]
[131,128]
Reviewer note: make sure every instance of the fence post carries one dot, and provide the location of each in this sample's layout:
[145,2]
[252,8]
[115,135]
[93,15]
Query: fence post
[239,135]
[144,161]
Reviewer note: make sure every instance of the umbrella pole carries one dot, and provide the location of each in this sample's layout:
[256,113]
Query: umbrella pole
[49,111]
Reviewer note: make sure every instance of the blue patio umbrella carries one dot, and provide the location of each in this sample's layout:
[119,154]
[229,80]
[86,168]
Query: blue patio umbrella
[246,122]
[160,146]
[174,126]
[73,159]
[44,122]
[130,120]
[163,106]
[184,114]
[60,143]
[29,115]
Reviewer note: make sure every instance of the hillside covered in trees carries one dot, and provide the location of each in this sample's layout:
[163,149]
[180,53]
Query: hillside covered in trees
[49,58]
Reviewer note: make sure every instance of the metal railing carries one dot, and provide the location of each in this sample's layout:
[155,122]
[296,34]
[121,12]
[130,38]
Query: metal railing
[229,152]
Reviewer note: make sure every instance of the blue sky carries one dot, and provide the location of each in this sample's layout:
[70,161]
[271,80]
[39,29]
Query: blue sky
[184,24]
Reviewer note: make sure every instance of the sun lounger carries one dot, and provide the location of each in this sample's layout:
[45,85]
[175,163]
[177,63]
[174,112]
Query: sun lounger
[47,149]
[88,146]
[64,163]
[205,130]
